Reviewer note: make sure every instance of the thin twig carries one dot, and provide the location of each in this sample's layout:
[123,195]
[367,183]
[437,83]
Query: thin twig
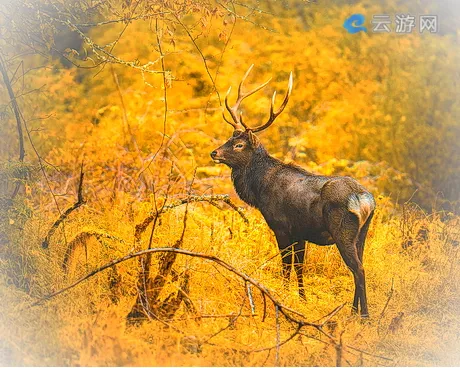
[126,124]
[277,320]
[390,295]
[339,349]
[265,307]
[333,343]
[80,201]
[83,237]
[140,228]
[152,287]
[329,316]
[104,55]
[165,102]
[278,344]
[246,19]
[215,316]
[201,54]
[17,114]
[122,20]
[230,324]
[114,43]
[251,300]
[367,353]
[216,74]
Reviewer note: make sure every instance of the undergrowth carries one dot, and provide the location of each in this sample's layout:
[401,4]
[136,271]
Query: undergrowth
[411,262]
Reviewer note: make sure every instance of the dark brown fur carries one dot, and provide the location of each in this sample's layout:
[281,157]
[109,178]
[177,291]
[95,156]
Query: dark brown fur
[300,206]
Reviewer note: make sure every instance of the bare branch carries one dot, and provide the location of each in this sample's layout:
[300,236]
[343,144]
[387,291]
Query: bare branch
[123,20]
[339,350]
[246,19]
[17,114]
[251,300]
[279,343]
[212,199]
[80,201]
[281,307]
[277,319]
[202,56]
[101,52]
[390,295]
[329,316]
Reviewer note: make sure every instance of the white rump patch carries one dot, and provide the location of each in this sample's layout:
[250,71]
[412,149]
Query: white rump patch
[361,205]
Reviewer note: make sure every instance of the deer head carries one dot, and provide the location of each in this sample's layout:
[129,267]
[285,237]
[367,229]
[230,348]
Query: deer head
[238,150]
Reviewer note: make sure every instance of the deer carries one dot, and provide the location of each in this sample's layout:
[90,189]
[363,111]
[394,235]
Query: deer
[298,206]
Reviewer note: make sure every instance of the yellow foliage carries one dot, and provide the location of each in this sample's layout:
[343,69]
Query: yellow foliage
[85,327]
[381,108]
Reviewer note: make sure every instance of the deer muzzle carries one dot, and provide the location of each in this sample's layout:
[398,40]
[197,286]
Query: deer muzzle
[216,157]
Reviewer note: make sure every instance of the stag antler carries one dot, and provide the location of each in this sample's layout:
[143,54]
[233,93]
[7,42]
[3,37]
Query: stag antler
[238,120]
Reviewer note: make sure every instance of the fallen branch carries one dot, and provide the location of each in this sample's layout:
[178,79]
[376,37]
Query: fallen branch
[286,311]
[290,314]
[80,201]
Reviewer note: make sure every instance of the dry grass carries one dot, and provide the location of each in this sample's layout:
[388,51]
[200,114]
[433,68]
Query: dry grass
[413,322]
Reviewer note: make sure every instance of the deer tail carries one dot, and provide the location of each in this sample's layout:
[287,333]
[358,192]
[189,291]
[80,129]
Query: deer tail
[362,205]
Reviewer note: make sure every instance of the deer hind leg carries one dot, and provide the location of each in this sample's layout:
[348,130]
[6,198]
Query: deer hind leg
[360,248]
[344,227]
[362,237]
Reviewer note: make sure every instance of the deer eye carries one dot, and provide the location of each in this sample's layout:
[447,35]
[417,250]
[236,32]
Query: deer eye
[238,145]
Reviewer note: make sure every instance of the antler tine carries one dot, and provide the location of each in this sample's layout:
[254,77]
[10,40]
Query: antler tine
[242,122]
[274,114]
[232,110]
[243,79]
[234,125]
[241,96]
[228,121]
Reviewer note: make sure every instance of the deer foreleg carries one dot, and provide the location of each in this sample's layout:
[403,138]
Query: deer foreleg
[292,253]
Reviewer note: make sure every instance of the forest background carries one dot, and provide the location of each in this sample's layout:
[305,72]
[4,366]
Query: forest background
[108,113]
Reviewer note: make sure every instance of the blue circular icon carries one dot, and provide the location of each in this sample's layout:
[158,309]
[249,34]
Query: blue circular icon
[354,24]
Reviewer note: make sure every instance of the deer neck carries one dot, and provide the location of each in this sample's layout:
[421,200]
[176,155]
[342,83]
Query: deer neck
[248,179]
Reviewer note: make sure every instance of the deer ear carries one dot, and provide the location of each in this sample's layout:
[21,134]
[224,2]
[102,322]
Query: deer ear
[253,140]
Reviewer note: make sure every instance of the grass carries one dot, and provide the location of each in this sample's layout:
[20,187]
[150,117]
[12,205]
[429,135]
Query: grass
[413,281]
